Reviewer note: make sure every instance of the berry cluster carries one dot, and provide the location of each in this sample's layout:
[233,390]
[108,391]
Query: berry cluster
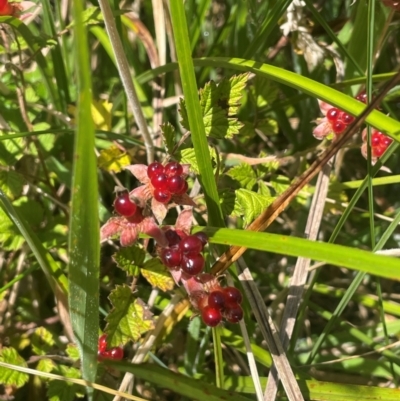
[338,119]
[379,143]
[167,180]
[184,252]
[116,353]
[221,303]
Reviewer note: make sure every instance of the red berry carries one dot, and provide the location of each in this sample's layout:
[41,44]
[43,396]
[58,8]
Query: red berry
[362,97]
[376,138]
[233,313]
[184,188]
[192,265]
[378,151]
[386,141]
[191,245]
[333,114]
[173,237]
[137,217]
[102,343]
[162,195]
[202,236]
[116,353]
[159,181]
[216,299]
[172,169]
[347,118]
[211,316]
[171,257]
[338,127]
[175,184]
[232,295]
[154,168]
[123,205]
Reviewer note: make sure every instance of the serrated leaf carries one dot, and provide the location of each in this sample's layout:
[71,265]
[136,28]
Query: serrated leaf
[113,159]
[65,391]
[268,126]
[280,183]
[72,351]
[46,365]
[11,150]
[10,238]
[90,16]
[128,319]
[219,126]
[250,204]
[187,156]
[42,341]
[157,275]
[11,183]
[244,174]
[227,201]
[263,189]
[10,377]
[168,132]
[130,259]
[183,113]
[264,91]
[231,92]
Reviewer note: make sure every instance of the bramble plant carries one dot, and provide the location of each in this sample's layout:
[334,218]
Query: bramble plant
[185,211]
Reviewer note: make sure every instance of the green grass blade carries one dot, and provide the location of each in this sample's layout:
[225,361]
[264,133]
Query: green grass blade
[184,385]
[195,116]
[339,255]
[326,391]
[84,238]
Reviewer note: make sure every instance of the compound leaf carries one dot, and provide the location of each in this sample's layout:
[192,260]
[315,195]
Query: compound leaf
[157,275]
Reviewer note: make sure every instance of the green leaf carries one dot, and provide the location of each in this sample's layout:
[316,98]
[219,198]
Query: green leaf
[10,237]
[168,132]
[46,365]
[250,204]
[72,351]
[263,91]
[157,275]
[42,341]
[10,377]
[90,16]
[128,319]
[188,156]
[268,126]
[130,259]
[113,159]
[11,183]
[11,150]
[244,174]
[230,92]
[65,391]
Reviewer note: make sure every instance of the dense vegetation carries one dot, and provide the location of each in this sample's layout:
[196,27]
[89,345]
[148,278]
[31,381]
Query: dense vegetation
[183,183]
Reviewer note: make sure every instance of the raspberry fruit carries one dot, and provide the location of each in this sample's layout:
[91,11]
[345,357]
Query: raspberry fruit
[216,299]
[211,316]
[116,353]
[173,169]
[171,257]
[137,217]
[123,205]
[362,97]
[191,245]
[162,195]
[154,169]
[175,184]
[346,118]
[159,181]
[232,295]
[184,188]
[193,264]
[173,237]
[102,343]
[333,114]
[338,127]
[233,313]
[202,236]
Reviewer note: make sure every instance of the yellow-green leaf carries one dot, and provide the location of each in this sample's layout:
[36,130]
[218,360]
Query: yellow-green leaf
[10,377]
[113,159]
[42,341]
[157,275]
